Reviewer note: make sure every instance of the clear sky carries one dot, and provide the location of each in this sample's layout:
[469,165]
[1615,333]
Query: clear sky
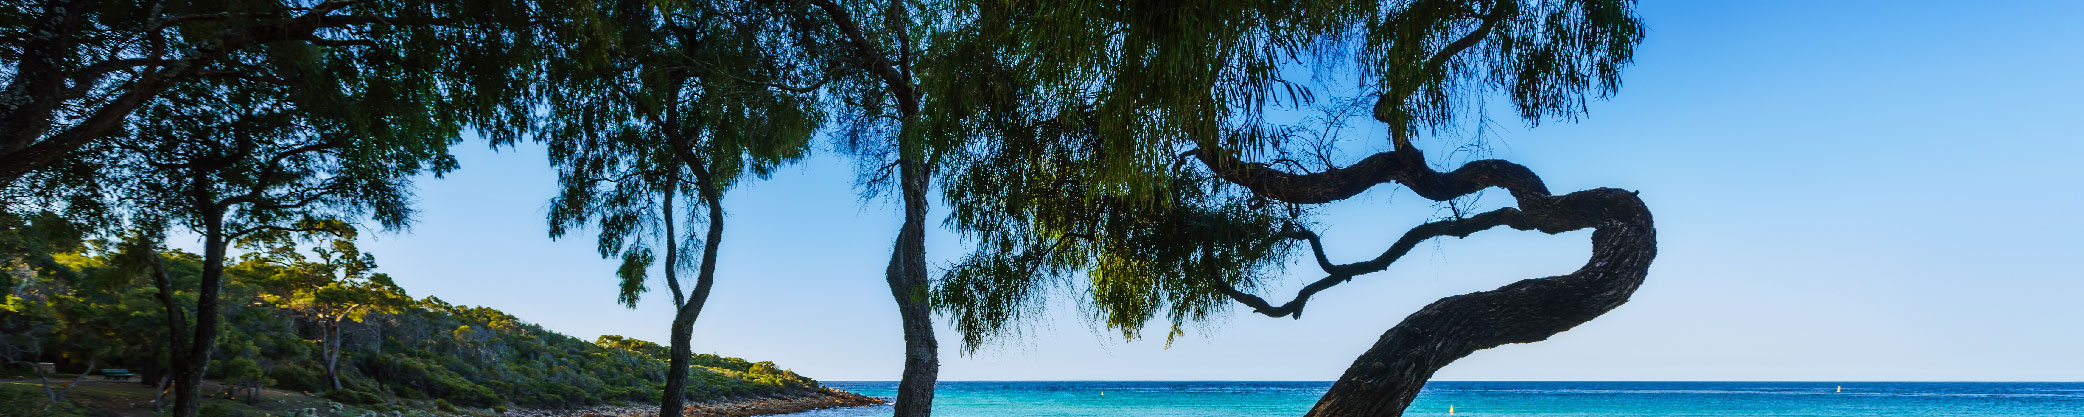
[1845,190]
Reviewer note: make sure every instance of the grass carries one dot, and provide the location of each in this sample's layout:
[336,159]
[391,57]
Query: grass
[96,398]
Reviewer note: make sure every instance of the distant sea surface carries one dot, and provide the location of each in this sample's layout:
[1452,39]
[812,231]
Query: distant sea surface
[1289,399]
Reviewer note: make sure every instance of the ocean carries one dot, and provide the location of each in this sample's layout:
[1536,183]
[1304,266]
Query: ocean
[1556,399]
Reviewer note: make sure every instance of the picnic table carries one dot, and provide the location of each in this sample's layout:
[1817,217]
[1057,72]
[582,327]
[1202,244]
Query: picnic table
[107,374]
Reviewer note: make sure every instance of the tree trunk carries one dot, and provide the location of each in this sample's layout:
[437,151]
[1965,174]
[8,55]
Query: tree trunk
[45,382]
[60,395]
[177,326]
[674,401]
[1384,380]
[908,286]
[332,350]
[159,394]
[189,368]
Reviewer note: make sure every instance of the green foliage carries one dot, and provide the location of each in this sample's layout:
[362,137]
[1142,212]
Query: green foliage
[27,242]
[299,377]
[349,396]
[646,102]
[380,55]
[221,409]
[646,348]
[1091,129]
[339,285]
[238,370]
[425,349]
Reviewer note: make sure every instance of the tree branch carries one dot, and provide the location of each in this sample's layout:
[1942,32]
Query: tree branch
[866,50]
[1337,274]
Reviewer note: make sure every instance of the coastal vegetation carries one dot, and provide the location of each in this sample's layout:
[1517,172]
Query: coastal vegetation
[1144,155]
[320,321]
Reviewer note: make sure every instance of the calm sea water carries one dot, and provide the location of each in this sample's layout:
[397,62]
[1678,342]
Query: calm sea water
[1174,399]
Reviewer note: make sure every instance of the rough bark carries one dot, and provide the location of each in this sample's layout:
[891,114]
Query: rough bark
[332,350]
[177,326]
[1384,379]
[192,360]
[908,285]
[906,273]
[682,352]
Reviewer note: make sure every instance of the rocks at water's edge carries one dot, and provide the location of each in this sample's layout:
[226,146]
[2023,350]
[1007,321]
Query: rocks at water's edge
[743,407]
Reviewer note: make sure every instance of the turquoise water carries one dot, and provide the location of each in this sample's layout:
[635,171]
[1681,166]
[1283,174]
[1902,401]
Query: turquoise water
[1180,399]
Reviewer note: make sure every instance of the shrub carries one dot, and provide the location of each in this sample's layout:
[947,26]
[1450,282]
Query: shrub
[300,378]
[220,409]
[349,396]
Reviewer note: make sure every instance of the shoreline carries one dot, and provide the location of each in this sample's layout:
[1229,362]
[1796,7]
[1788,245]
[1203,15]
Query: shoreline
[737,407]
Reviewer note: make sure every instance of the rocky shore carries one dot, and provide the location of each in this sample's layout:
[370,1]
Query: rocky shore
[740,407]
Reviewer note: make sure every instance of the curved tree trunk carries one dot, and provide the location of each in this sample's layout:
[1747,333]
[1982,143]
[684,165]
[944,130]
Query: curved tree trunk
[76,380]
[177,326]
[907,270]
[159,393]
[1384,380]
[908,285]
[674,400]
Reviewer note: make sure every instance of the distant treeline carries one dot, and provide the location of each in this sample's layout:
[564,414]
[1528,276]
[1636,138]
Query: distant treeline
[99,307]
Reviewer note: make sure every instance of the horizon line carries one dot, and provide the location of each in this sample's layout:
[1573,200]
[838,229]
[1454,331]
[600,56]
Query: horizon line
[1500,380]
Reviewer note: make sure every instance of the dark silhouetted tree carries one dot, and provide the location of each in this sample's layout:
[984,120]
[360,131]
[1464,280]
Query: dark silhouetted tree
[77,70]
[241,159]
[1153,150]
[650,103]
[870,54]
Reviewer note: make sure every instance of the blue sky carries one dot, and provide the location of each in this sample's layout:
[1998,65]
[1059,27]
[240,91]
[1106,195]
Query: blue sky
[1845,190]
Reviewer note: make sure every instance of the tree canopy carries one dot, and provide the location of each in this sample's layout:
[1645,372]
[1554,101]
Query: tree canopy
[79,69]
[1167,154]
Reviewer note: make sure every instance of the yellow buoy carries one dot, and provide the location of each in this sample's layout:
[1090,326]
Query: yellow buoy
[1841,389]
[1450,410]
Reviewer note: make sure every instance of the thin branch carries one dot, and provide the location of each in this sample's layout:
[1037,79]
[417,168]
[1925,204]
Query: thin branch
[1337,274]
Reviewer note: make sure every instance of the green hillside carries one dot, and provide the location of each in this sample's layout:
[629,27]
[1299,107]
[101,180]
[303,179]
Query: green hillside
[100,305]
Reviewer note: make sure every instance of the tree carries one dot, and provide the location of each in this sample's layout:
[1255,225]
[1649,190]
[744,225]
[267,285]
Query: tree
[235,160]
[77,70]
[241,372]
[1134,146]
[657,101]
[870,55]
[339,286]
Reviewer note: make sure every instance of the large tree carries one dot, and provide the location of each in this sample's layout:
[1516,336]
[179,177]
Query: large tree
[1156,151]
[239,159]
[870,53]
[650,103]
